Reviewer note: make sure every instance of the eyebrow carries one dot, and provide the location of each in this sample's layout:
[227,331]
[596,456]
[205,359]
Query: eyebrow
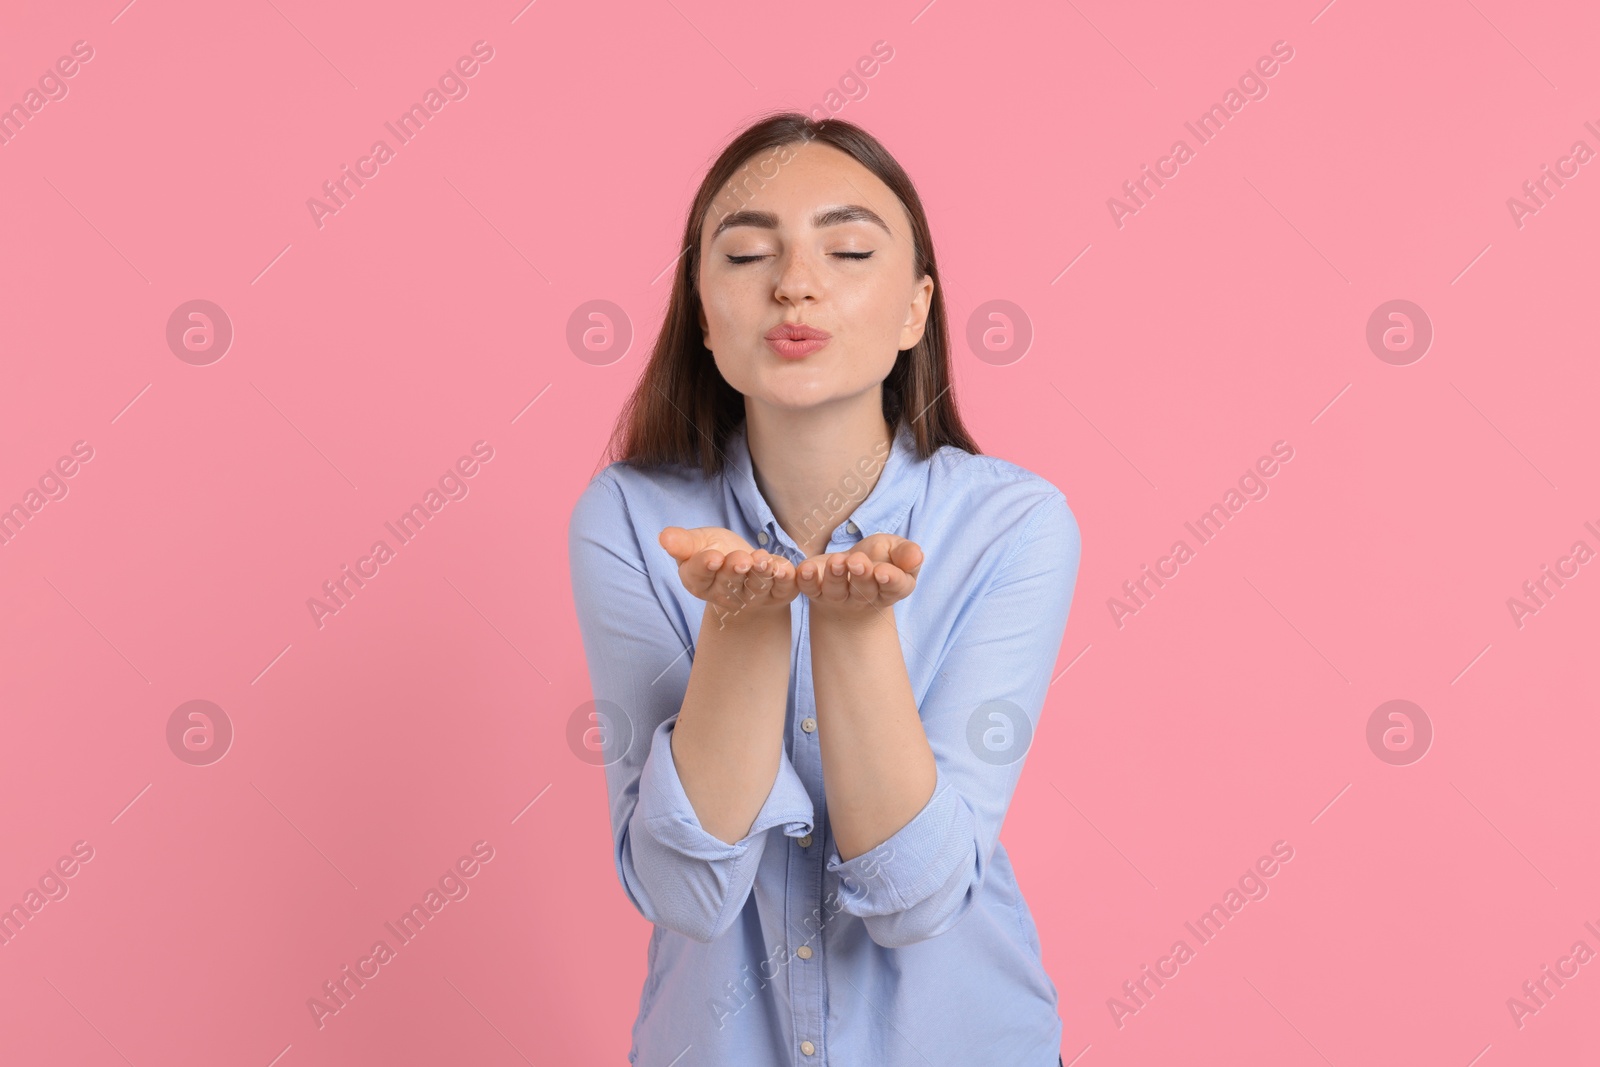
[828,216]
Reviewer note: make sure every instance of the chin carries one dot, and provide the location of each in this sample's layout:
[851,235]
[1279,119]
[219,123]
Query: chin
[793,403]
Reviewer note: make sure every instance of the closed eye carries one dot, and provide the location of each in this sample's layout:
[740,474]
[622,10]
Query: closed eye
[846,255]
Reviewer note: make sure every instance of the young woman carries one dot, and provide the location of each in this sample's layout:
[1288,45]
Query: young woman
[820,626]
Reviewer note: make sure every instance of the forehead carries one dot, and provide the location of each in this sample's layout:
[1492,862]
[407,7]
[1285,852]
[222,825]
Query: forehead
[793,187]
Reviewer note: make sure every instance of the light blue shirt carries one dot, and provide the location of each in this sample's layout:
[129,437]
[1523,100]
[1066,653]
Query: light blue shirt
[771,950]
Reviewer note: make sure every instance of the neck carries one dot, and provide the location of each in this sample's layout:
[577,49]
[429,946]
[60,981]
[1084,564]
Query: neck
[807,463]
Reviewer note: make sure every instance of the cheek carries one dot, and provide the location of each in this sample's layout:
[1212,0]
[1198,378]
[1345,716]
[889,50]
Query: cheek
[877,314]
[725,326]
[720,312]
[730,299]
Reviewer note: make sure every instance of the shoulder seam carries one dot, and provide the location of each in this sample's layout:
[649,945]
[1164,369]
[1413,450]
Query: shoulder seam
[1026,537]
[608,480]
[972,467]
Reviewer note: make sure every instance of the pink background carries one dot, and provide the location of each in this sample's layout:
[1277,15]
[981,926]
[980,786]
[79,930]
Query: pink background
[432,312]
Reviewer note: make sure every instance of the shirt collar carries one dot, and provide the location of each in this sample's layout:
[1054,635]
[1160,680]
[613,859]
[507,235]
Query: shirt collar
[883,511]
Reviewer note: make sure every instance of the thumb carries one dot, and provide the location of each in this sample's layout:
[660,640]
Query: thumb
[677,542]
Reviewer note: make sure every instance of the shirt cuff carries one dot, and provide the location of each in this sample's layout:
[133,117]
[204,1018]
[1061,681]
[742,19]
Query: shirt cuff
[914,863]
[669,816]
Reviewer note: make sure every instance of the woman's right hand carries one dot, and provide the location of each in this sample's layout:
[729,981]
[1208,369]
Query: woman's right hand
[719,567]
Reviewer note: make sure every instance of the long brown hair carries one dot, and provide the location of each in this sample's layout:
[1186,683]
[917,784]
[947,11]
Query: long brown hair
[682,409]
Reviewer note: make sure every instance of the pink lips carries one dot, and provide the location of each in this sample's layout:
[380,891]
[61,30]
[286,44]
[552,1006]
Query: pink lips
[796,340]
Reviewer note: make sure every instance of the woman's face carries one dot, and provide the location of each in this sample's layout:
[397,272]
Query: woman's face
[817,240]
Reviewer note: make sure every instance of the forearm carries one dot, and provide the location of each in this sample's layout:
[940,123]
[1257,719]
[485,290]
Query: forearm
[877,768]
[728,738]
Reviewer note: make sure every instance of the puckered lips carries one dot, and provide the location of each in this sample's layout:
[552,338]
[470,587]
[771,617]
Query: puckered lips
[796,340]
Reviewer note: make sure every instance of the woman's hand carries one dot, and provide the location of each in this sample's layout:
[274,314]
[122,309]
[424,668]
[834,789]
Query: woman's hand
[870,578]
[721,568]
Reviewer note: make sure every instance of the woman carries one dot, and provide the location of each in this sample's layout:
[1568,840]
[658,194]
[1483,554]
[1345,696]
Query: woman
[820,626]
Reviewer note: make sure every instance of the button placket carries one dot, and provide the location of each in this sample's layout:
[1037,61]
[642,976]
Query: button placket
[807,985]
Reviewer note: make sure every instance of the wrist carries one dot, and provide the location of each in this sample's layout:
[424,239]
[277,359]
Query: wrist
[748,616]
[851,618]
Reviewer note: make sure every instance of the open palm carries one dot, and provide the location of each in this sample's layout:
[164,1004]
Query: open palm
[879,571]
[719,567]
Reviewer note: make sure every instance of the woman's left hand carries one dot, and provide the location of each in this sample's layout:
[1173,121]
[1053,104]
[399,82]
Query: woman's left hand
[869,578]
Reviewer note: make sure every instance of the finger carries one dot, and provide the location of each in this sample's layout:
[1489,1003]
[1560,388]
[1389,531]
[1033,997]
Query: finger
[858,563]
[785,583]
[729,591]
[883,546]
[809,576]
[700,570]
[907,556]
[748,575]
[759,579]
[865,584]
[894,584]
[859,584]
[835,580]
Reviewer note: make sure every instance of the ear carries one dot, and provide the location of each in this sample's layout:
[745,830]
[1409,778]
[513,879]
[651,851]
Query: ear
[917,313]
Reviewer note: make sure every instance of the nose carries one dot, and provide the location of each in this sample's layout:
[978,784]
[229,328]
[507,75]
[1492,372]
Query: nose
[797,278]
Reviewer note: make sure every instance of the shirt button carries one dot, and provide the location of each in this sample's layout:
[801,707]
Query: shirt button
[762,537]
[808,725]
[804,952]
[804,842]
[852,527]
[807,1047]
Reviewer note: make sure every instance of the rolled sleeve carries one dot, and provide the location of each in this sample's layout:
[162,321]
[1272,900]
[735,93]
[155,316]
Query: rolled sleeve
[697,882]
[914,863]
[638,645]
[926,876]
[669,817]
